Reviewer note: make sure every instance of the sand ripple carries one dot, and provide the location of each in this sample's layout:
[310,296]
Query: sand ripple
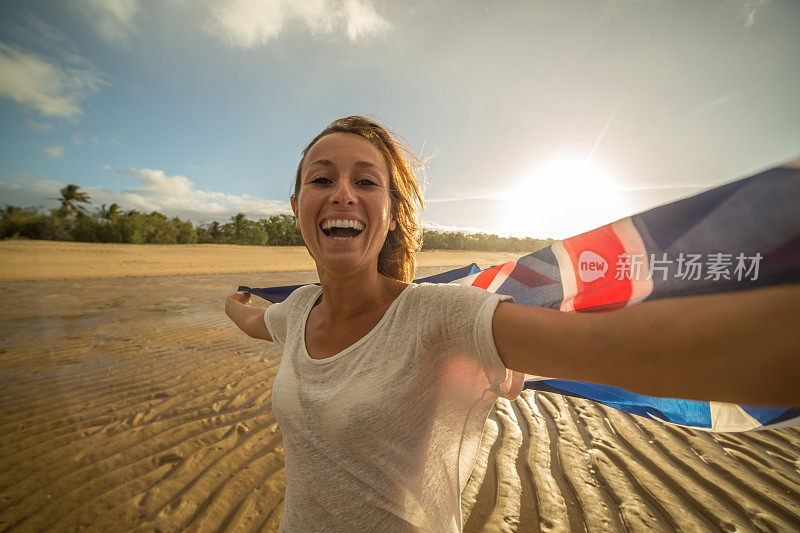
[132,405]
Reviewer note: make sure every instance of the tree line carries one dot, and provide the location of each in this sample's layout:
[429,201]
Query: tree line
[74,221]
[453,240]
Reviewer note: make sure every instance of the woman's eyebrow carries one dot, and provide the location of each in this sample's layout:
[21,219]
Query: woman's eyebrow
[358,164]
[323,162]
[327,163]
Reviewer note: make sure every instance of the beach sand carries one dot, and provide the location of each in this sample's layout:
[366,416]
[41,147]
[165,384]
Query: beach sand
[134,404]
[24,260]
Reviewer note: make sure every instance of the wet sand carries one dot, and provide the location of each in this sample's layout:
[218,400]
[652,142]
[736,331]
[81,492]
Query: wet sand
[134,404]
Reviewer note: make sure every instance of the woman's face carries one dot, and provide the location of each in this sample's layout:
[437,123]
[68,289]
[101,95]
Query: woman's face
[344,209]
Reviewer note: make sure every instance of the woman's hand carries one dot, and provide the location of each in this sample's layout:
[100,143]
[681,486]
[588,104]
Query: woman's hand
[240,297]
[741,347]
[248,319]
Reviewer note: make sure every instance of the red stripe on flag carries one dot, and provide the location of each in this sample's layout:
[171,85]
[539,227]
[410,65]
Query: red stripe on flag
[485,278]
[605,292]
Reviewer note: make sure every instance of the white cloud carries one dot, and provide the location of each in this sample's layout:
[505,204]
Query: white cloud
[434,226]
[249,23]
[44,86]
[34,29]
[246,23]
[170,187]
[704,108]
[39,126]
[78,139]
[28,190]
[363,20]
[113,20]
[177,196]
[498,195]
[170,195]
[744,10]
[56,151]
[749,8]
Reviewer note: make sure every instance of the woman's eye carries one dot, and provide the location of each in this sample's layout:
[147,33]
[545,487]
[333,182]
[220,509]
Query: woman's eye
[321,180]
[365,182]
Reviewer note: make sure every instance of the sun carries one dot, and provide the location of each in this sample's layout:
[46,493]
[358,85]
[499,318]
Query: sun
[563,198]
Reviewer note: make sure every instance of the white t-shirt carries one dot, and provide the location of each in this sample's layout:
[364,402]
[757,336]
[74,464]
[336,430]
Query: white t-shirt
[384,434]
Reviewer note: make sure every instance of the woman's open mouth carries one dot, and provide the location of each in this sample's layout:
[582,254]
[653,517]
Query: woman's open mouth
[342,230]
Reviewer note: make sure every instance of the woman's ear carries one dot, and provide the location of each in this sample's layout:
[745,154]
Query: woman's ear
[392,224]
[293,201]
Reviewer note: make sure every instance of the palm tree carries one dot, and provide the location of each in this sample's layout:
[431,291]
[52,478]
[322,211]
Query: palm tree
[239,222]
[109,214]
[71,198]
[10,211]
[215,231]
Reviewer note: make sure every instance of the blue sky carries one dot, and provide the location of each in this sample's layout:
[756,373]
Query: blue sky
[546,118]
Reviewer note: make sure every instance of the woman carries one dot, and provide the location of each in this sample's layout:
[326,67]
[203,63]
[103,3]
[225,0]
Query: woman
[385,385]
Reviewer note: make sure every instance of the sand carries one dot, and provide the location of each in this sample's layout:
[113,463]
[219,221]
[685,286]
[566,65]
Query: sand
[134,404]
[30,260]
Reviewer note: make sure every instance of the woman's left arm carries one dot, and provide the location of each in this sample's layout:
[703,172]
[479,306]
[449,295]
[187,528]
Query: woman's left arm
[741,347]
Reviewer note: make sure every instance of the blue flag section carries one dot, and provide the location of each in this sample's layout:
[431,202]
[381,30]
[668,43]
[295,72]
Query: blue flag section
[738,236]
[279,294]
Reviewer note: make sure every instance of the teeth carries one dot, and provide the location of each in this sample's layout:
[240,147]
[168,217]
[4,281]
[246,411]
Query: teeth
[355,224]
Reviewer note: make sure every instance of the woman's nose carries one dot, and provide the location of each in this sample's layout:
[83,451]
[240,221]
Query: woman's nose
[343,194]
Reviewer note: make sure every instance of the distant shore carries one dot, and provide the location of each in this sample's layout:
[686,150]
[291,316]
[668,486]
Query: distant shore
[34,260]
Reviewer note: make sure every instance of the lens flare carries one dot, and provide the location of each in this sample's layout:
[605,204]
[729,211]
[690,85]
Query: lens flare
[564,198]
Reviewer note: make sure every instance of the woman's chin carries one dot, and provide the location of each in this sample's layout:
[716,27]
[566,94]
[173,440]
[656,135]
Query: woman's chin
[345,255]
[343,260]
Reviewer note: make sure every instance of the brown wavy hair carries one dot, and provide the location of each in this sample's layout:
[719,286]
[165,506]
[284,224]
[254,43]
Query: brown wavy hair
[396,258]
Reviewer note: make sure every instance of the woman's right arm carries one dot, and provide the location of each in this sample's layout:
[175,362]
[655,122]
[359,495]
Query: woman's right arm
[248,319]
[740,347]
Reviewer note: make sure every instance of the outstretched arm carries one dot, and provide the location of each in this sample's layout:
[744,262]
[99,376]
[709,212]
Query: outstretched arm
[248,319]
[739,347]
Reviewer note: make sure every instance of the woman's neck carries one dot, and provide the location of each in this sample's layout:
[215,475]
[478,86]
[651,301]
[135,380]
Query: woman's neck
[349,296]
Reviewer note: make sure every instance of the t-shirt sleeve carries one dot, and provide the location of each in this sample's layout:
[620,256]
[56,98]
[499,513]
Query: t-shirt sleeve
[466,315]
[508,382]
[276,321]
[282,316]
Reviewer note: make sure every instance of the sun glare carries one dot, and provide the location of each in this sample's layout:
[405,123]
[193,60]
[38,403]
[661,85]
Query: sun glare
[563,198]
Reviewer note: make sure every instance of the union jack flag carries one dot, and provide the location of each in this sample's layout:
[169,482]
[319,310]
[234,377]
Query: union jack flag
[738,236]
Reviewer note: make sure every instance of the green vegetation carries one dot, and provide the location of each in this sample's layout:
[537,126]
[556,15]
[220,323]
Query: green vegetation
[73,221]
[452,240]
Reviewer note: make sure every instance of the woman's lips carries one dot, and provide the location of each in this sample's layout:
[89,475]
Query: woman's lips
[341,234]
[342,229]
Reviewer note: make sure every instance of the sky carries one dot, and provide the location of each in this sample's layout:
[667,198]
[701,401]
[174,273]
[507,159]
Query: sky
[539,118]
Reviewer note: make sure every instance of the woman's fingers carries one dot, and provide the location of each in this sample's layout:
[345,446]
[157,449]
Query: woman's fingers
[241,297]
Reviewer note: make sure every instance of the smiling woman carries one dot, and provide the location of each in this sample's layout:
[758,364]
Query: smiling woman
[343,207]
[384,386]
[387,158]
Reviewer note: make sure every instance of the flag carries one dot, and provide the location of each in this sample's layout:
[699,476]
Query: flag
[738,236]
